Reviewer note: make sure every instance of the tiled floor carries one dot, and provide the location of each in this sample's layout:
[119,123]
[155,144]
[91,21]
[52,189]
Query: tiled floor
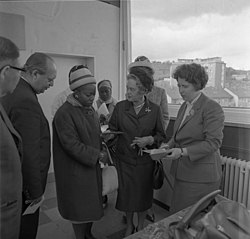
[111,226]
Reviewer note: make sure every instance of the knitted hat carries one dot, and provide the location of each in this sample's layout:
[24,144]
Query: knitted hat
[80,77]
[141,61]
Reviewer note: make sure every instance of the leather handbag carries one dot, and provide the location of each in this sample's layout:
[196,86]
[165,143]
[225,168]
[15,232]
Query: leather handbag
[158,176]
[209,219]
[109,175]
[109,180]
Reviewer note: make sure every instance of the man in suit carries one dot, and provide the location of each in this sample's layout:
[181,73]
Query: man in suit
[28,119]
[10,146]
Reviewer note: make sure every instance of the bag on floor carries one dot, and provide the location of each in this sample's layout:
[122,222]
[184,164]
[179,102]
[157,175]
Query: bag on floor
[209,219]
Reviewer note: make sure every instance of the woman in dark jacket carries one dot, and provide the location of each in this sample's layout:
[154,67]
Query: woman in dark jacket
[141,122]
[77,153]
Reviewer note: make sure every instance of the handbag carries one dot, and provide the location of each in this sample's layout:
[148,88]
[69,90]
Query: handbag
[109,179]
[158,175]
[209,219]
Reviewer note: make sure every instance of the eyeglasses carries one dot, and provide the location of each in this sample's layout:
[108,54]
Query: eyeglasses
[14,67]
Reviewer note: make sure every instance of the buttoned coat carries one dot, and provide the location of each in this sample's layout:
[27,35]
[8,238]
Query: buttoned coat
[76,147]
[135,169]
[201,134]
[10,178]
[28,119]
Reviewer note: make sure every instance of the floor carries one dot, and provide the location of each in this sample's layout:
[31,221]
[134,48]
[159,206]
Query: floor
[111,226]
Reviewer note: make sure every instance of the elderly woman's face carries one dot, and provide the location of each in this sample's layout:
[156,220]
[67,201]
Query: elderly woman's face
[133,93]
[187,90]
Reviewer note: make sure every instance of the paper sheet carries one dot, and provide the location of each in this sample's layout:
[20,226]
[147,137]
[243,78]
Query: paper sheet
[32,208]
[156,154]
[103,110]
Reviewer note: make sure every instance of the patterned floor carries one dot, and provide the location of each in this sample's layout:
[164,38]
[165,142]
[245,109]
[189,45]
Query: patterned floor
[111,226]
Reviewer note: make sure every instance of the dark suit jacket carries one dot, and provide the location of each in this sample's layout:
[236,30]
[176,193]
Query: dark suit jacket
[201,133]
[10,178]
[28,119]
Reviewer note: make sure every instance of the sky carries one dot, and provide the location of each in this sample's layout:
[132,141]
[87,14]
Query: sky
[167,30]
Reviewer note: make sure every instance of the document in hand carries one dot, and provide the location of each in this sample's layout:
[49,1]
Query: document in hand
[33,207]
[156,154]
[103,110]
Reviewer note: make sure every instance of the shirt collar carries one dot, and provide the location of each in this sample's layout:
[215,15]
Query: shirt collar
[194,100]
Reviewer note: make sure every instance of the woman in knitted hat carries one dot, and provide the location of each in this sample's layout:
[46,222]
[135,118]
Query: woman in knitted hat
[77,153]
[140,120]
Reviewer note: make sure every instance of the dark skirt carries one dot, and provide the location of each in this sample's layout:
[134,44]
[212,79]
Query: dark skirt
[135,193]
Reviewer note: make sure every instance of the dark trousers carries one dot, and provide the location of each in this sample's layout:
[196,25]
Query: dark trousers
[29,224]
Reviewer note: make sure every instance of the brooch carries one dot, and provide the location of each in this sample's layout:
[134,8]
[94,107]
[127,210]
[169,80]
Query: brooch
[191,112]
[147,109]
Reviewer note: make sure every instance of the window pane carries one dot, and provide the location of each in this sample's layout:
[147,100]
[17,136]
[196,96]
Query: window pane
[213,33]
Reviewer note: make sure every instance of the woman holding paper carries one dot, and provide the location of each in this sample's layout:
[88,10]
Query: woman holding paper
[105,103]
[142,127]
[197,137]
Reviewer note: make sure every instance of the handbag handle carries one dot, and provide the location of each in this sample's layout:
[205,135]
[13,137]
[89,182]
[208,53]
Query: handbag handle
[197,208]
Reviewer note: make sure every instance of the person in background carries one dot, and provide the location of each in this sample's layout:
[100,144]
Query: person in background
[77,151]
[10,146]
[197,138]
[158,96]
[105,96]
[104,88]
[140,120]
[28,119]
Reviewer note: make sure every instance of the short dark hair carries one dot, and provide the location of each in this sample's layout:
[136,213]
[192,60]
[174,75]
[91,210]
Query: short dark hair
[146,79]
[193,73]
[8,49]
[37,61]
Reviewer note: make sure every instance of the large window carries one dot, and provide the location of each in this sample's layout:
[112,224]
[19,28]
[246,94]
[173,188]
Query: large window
[214,33]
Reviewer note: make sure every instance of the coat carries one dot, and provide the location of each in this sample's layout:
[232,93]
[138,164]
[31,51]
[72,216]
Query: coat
[10,178]
[201,134]
[76,147]
[135,170]
[28,119]
[159,97]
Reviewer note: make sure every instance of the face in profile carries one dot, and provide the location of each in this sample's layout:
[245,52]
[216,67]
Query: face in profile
[44,80]
[105,93]
[86,94]
[133,93]
[10,77]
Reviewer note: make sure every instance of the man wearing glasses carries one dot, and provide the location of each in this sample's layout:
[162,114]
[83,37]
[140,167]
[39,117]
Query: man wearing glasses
[28,119]
[10,146]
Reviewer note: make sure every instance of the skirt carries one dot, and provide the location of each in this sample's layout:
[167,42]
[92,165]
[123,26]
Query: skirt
[135,192]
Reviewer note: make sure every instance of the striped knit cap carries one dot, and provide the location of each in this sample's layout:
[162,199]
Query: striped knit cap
[80,77]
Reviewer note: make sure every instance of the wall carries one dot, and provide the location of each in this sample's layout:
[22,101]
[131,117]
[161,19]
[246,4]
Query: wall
[70,31]
[82,28]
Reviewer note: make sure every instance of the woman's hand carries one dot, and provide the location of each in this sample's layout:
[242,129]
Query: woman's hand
[174,153]
[142,141]
[103,157]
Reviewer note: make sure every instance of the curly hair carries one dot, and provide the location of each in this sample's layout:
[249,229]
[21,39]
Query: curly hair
[144,76]
[192,73]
